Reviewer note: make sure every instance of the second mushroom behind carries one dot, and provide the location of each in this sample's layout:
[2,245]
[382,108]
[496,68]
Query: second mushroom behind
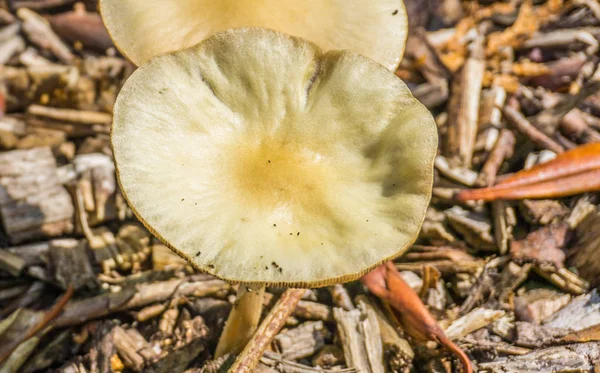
[263,161]
[142,29]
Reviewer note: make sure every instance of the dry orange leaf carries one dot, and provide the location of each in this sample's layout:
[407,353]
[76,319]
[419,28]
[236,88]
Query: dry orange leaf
[386,282]
[572,172]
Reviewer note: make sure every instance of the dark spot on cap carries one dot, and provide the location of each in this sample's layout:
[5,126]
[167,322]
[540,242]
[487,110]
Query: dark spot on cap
[395,12]
[266,267]
[280,270]
[210,266]
[198,253]
[269,161]
[183,199]
[298,234]
[274,225]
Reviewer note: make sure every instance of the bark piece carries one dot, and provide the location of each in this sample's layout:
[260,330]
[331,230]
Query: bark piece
[537,304]
[33,204]
[312,311]
[192,343]
[11,263]
[397,352]
[543,245]
[584,253]
[130,344]
[504,218]
[475,228]
[474,320]
[534,336]
[358,330]
[582,312]
[462,175]
[464,108]
[518,120]
[580,357]
[340,296]
[71,265]
[543,212]
[84,27]
[303,341]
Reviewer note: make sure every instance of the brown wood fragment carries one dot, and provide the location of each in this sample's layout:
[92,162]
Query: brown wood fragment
[357,353]
[39,32]
[535,336]
[543,212]
[464,108]
[32,202]
[144,294]
[582,312]
[70,263]
[474,227]
[474,320]
[519,121]
[340,296]
[536,305]
[329,356]
[11,263]
[584,253]
[84,27]
[559,359]
[303,341]
[503,149]
[68,115]
[309,310]
[128,344]
[543,245]
[397,352]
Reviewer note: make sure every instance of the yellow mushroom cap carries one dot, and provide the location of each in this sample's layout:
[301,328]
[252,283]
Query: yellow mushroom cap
[143,29]
[262,160]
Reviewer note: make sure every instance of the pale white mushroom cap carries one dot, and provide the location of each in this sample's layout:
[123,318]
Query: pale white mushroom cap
[143,29]
[261,160]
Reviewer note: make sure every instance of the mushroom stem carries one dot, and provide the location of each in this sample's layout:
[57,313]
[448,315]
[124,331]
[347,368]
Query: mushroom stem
[242,321]
[272,324]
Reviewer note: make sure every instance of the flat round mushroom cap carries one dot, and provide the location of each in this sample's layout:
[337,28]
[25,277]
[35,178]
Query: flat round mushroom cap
[143,29]
[262,160]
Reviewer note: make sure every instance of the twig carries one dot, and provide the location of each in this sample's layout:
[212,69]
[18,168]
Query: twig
[250,356]
[522,125]
[48,318]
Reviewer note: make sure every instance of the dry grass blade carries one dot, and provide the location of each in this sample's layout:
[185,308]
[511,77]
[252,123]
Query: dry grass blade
[573,172]
[387,283]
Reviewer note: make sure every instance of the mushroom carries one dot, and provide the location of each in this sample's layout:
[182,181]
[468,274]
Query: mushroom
[142,29]
[263,161]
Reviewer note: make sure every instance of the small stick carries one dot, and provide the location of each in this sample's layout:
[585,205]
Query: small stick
[250,356]
[519,121]
[70,115]
[503,149]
